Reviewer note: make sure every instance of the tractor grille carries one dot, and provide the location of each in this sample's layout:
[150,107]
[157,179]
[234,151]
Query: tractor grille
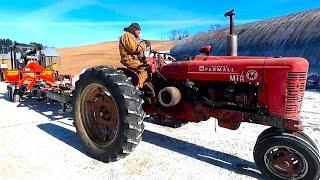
[296,82]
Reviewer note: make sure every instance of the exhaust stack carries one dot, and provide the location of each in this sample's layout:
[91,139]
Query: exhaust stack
[232,38]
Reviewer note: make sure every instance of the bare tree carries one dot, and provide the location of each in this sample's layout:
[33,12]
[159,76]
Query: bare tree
[178,34]
[185,34]
[215,27]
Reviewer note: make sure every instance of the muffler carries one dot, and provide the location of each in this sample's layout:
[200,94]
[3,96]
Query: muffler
[169,96]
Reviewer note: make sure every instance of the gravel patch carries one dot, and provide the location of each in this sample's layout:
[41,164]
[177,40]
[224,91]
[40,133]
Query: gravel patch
[37,142]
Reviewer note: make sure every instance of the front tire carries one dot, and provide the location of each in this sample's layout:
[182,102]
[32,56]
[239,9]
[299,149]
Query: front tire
[10,95]
[108,113]
[272,131]
[286,156]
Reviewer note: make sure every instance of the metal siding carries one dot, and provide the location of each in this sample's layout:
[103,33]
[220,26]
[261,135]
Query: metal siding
[291,35]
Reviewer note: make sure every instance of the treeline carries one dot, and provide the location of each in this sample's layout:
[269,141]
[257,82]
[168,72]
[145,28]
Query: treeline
[5,45]
[178,34]
[37,44]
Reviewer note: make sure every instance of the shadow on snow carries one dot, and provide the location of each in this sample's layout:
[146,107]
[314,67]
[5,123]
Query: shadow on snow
[213,157]
[216,158]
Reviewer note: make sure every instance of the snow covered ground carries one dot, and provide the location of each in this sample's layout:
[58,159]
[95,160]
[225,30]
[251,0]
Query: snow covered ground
[36,141]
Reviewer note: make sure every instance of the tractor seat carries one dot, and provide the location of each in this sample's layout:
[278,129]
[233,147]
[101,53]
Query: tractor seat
[130,72]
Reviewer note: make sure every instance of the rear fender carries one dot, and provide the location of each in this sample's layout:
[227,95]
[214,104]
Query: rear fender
[132,74]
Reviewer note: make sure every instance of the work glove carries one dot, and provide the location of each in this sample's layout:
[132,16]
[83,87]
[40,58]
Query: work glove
[141,57]
[148,44]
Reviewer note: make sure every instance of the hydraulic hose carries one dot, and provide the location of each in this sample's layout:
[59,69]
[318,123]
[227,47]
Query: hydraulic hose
[212,104]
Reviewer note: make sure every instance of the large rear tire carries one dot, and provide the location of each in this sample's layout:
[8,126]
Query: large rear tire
[108,113]
[317,84]
[281,155]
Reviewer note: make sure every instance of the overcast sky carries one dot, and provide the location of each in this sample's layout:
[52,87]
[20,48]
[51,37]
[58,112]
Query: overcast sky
[78,22]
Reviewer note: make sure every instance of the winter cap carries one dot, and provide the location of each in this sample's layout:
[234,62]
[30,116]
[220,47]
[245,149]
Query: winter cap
[135,26]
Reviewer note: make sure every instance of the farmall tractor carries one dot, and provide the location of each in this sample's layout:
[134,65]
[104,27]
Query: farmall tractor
[109,109]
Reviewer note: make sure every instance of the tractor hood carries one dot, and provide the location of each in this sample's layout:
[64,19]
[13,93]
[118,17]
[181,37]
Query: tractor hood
[228,68]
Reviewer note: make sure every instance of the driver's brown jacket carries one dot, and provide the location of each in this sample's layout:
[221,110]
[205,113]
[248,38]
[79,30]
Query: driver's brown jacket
[130,48]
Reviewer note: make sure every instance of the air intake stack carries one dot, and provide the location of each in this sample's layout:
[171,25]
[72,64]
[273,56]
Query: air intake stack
[232,38]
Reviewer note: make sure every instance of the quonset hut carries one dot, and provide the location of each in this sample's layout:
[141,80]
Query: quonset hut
[295,34]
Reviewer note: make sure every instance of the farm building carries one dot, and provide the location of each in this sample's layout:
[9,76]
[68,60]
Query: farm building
[52,59]
[1,57]
[6,60]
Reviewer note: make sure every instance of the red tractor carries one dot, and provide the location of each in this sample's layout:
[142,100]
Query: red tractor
[109,109]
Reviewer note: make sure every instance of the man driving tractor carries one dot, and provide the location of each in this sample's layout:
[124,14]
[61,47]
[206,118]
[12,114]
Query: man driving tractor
[132,49]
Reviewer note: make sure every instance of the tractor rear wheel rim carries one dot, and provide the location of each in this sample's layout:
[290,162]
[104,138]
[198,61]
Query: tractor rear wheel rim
[286,162]
[100,115]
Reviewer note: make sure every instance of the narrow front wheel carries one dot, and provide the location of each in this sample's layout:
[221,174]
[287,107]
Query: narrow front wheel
[286,156]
